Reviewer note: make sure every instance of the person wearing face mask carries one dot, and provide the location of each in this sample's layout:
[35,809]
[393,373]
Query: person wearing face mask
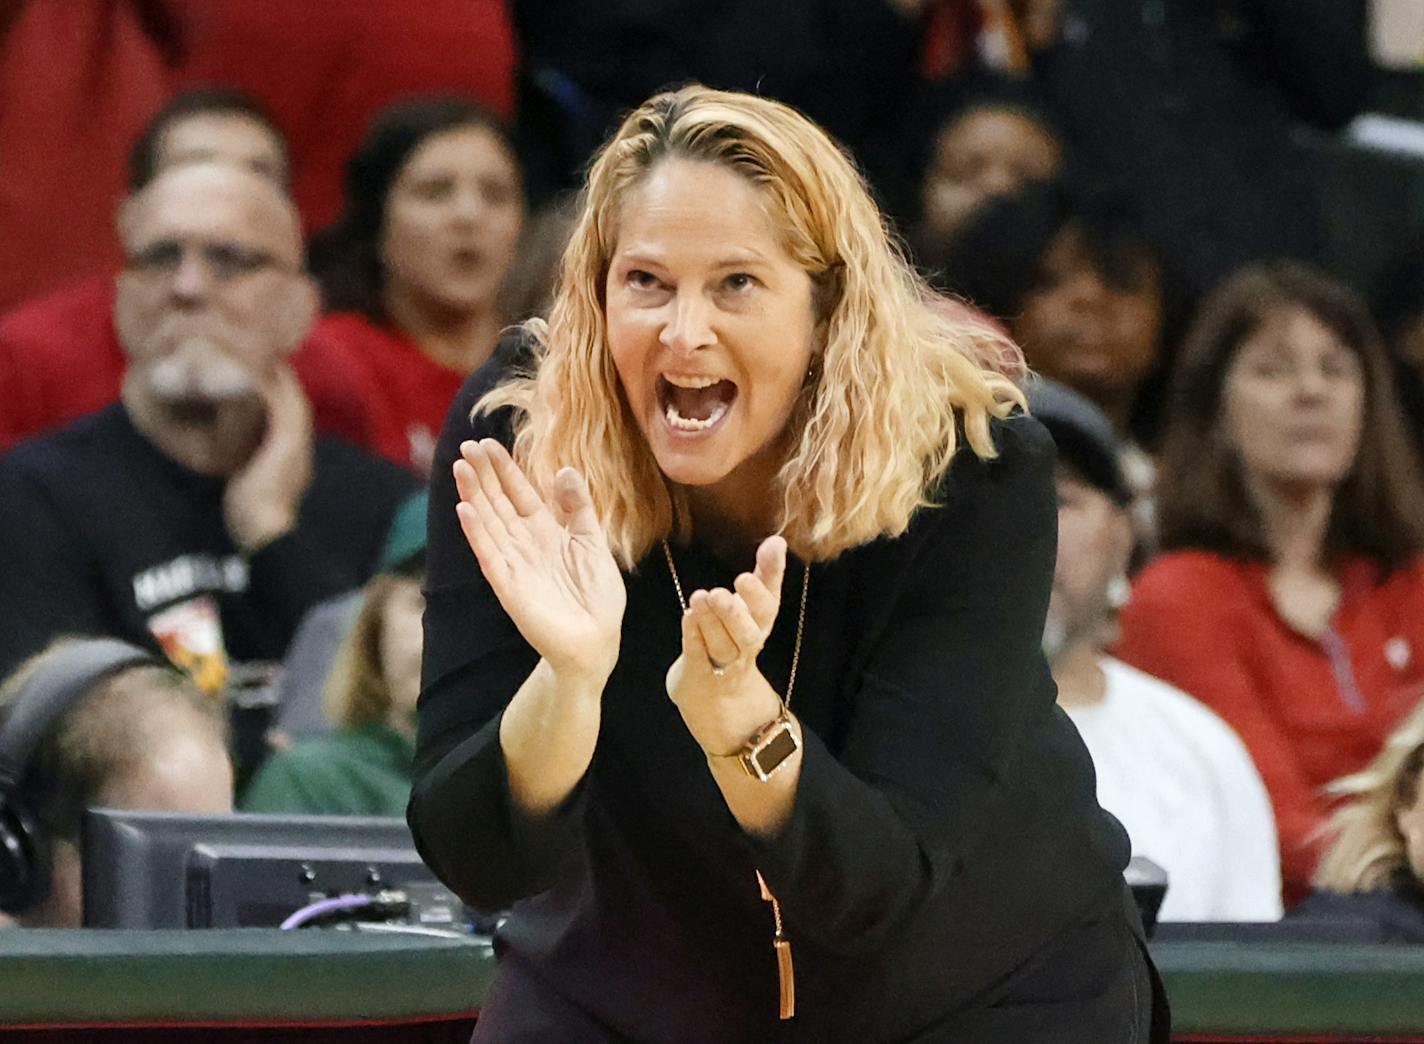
[414,267]
[1372,871]
[1290,597]
[1173,772]
[734,606]
[200,514]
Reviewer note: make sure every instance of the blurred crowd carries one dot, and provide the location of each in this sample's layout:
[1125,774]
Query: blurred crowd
[253,251]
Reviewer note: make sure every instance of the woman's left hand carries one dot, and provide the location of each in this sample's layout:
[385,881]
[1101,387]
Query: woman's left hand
[715,683]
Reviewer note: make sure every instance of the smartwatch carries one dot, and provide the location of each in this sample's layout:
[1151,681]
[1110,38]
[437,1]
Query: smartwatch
[769,749]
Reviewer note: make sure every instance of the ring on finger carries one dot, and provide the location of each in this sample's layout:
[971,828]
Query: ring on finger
[718,669]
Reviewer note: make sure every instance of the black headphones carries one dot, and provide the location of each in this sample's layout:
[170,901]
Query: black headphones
[66,676]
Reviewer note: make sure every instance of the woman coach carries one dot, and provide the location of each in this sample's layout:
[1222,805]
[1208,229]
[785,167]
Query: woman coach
[739,701]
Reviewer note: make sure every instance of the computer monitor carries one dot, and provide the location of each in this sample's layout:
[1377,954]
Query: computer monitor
[166,870]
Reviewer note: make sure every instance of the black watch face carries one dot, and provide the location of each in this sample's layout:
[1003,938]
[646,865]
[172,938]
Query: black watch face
[780,747]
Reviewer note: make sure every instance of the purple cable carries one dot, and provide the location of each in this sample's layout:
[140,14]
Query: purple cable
[326,906]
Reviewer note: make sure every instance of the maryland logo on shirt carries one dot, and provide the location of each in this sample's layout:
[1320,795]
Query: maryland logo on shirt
[189,628]
[187,575]
[190,634]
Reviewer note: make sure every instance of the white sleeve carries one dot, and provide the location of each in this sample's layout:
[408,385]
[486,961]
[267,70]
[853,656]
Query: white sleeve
[1249,886]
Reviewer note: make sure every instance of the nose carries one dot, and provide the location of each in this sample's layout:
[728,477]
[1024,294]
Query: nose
[192,279]
[689,325]
[1085,291]
[467,204]
[1311,382]
[998,179]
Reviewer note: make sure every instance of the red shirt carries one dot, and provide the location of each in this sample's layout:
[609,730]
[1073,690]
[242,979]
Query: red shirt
[404,392]
[323,70]
[81,78]
[1309,710]
[79,81]
[60,359]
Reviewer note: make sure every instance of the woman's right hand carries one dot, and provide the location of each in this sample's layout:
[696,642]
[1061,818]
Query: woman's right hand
[549,564]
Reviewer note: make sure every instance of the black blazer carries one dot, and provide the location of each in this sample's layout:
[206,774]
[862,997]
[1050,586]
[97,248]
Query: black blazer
[945,856]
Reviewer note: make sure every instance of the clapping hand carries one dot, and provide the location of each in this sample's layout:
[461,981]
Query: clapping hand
[715,683]
[549,563]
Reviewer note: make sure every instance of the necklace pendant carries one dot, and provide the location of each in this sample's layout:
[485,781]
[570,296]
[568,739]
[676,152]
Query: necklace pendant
[786,977]
[785,970]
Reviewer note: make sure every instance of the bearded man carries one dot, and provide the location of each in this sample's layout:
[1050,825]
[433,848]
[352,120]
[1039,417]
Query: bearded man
[199,515]
[60,355]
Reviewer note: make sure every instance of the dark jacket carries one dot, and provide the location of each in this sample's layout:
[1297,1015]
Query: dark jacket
[946,860]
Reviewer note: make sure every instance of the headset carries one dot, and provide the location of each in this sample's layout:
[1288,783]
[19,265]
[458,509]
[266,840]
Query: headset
[64,677]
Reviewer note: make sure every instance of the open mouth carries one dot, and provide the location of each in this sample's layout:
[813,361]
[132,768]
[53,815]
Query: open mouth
[192,412]
[467,258]
[692,403]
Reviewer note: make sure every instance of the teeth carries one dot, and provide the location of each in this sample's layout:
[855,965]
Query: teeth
[682,423]
[691,382]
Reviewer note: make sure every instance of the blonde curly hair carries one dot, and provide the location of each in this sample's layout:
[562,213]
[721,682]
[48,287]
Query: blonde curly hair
[1366,849]
[357,692]
[881,414]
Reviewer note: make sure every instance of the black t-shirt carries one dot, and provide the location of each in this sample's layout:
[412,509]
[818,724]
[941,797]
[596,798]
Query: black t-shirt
[945,833]
[102,534]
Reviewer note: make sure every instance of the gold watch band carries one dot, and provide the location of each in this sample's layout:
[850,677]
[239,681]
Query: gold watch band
[769,750]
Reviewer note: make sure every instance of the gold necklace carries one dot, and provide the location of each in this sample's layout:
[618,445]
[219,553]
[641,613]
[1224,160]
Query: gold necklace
[781,943]
[800,619]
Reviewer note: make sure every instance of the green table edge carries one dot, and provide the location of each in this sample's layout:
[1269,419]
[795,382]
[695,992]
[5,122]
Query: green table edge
[241,976]
[254,976]
[1293,988]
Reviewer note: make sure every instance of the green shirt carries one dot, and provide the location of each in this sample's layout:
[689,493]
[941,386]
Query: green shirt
[359,772]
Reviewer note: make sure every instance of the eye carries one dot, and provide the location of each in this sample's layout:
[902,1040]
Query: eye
[163,256]
[641,280]
[1270,364]
[230,260]
[1339,365]
[434,189]
[497,193]
[740,282]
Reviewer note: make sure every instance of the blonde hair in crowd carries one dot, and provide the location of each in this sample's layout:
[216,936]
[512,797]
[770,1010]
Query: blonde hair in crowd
[356,693]
[1366,848]
[877,422]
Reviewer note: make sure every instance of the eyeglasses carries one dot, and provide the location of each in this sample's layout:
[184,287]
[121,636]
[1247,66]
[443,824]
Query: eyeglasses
[223,261]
